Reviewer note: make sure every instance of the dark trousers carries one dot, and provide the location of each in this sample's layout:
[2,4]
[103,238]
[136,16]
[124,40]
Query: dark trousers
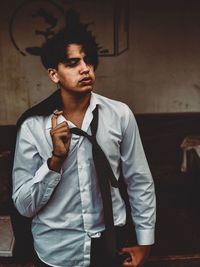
[98,257]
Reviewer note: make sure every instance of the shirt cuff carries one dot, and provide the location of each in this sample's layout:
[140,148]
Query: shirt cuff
[145,237]
[47,176]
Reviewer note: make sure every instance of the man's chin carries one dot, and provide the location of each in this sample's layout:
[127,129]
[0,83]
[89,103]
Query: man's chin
[86,89]
[83,92]
[79,91]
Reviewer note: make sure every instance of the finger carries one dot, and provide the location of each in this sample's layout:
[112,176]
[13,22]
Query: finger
[62,139]
[57,130]
[62,125]
[63,135]
[67,140]
[58,112]
[131,261]
[59,133]
[53,121]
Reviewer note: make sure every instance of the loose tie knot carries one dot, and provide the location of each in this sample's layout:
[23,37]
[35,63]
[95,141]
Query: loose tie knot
[80,132]
[100,160]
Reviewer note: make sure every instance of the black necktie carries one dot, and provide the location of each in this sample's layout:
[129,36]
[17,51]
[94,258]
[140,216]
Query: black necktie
[104,174]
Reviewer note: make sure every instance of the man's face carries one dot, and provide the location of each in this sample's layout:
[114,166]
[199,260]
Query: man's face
[76,75]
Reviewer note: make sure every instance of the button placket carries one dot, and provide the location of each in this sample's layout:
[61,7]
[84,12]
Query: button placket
[83,183]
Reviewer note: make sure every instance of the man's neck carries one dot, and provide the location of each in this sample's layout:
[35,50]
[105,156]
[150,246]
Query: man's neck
[75,106]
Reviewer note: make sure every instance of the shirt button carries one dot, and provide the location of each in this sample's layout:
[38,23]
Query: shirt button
[84,211]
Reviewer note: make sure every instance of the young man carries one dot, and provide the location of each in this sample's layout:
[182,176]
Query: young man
[55,180]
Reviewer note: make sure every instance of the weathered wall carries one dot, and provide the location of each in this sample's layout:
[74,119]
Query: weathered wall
[159,72]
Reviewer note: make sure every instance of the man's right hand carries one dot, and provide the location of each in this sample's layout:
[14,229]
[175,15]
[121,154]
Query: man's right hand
[61,137]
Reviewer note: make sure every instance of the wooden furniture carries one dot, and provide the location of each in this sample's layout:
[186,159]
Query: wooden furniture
[7,239]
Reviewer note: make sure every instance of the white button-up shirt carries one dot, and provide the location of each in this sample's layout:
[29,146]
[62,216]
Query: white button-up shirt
[66,207]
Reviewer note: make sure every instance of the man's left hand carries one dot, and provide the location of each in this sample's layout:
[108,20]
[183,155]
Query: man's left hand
[138,255]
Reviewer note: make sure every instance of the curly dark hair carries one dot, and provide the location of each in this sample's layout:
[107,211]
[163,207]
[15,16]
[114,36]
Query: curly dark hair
[54,50]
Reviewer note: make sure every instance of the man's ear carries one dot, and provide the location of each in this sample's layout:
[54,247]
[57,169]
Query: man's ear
[53,75]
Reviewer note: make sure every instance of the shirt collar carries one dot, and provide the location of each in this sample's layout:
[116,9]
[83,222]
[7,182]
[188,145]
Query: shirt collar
[94,101]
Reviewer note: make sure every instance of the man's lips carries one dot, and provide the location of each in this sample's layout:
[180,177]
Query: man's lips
[86,80]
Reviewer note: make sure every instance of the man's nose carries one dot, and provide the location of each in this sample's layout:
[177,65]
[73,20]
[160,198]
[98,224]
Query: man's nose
[85,68]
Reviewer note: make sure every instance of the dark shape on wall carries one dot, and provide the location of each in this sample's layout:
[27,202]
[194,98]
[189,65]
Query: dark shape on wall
[44,15]
[35,51]
[49,18]
[44,18]
[51,21]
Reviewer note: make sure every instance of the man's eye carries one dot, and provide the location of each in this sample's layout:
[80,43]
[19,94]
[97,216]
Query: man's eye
[71,63]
